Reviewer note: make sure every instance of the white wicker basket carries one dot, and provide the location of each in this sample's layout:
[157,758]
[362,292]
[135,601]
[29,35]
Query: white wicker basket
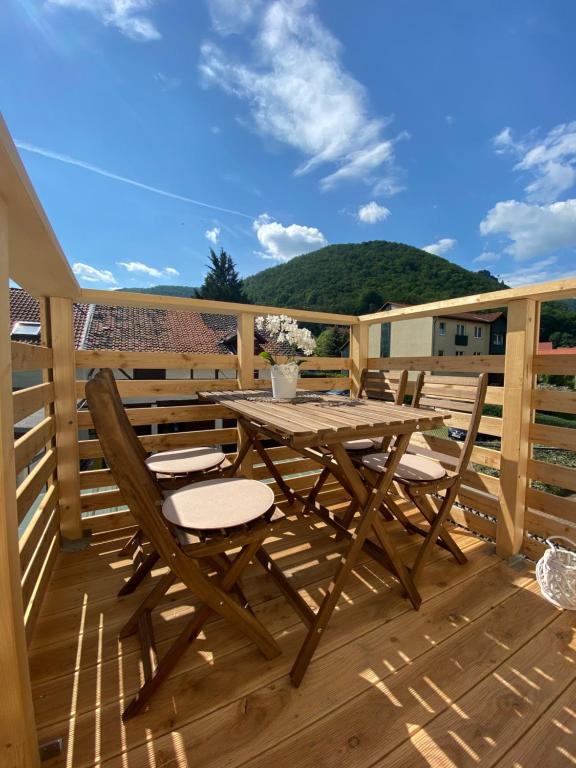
[556,574]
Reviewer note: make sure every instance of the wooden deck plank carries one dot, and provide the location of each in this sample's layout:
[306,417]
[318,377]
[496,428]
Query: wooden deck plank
[370,687]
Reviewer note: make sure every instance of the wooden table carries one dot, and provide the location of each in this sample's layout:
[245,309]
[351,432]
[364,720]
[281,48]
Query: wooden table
[315,426]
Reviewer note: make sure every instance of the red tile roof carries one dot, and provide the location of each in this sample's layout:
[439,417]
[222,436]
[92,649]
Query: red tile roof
[145,330]
[545,348]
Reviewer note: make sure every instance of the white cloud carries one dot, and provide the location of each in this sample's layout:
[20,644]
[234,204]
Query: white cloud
[166,82]
[449,119]
[441,247]
[372,212]
[213,235]
[126,15]
[534,230]
[538,272]
[299,92]
[282,243]
[141,268]
[487,257]
[93,275]
[550,161]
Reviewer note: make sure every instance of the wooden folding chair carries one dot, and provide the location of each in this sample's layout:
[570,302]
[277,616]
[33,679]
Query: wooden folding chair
[201,521]
[423,475]
[173,469]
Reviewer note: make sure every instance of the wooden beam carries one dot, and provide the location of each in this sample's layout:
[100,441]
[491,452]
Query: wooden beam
[458,364]
[64,372]
[106,358]
[36,260]
[557,289]
[18,742]
[32,399]
[358,356]
[245,373]
[126,299]
[30,357]
[521,343]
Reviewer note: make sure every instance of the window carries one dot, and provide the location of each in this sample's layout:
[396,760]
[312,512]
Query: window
[475,353]
[459,354]
[440,352]
[23,330]
[477,331]
[498,339]
[460,329]
[442,328]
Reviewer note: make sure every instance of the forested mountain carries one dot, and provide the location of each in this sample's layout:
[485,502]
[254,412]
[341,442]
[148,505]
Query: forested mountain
[185,291]
[359,277]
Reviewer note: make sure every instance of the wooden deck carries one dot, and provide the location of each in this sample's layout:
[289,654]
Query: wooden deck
[484,674]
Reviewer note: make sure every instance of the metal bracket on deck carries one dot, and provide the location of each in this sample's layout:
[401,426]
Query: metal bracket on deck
[76,545]
[51,749]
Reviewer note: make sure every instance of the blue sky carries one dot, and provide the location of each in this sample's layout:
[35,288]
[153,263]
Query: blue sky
[154,129]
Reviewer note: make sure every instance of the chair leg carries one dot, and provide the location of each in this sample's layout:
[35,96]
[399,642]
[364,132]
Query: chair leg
[445,539]
[133,542]
[139,574]
[148,604]
[434,532]
[254,628]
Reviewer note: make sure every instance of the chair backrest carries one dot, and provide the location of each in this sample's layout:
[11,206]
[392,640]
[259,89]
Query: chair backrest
[463,397]
[139,487]
[389,386]
[108,376]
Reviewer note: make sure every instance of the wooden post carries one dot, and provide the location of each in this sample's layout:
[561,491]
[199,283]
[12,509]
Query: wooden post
[64,373]
[18,741]
[521,344]
[358,354]
[245,373]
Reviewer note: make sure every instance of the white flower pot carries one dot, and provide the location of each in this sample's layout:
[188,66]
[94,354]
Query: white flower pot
[284,380]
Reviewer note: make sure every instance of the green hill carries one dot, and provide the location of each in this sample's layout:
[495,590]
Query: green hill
[359,277]
[185,291]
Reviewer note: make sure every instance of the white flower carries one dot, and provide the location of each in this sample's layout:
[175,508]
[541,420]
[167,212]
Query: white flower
[285,329]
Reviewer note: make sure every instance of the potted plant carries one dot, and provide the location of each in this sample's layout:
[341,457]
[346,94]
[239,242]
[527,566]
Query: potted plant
[300,340]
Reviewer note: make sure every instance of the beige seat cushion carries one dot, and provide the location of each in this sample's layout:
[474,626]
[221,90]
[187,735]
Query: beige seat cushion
[362,444]
[184,461]
[411,468]
[219,503]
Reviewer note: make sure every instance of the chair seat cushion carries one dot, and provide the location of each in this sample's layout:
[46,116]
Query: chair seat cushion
[411,468]
[362,444]
[184,461]
[219,503]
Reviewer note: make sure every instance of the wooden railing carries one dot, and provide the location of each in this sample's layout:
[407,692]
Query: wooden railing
[56,499]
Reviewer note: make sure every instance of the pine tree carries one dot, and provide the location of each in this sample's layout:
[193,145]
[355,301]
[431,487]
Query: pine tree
[222,283]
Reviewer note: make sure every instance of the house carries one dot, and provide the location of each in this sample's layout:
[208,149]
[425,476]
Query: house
[467,333]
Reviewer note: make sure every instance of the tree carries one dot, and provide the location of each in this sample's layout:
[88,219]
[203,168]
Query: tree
[330,342]
[222,283]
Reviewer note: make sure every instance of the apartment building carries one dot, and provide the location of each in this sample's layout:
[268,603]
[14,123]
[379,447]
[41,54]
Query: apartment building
[468,333]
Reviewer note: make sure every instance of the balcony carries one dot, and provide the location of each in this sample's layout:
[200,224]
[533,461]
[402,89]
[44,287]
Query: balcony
[461,339]
[484,673]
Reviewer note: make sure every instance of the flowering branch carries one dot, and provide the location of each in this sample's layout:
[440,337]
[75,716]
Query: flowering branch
[286,329]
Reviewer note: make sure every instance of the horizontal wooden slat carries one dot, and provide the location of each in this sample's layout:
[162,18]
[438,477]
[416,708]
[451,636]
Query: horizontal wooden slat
[109,521]
[91,449]
[96,478]
[472,363]
[37,525]
[487,457]
[473,522]
[559,437]
[482,502]
[29,445]
[30,357]
[127,299]
[559,506]
[50,538]
[553,474]
[164,387]
[309,363]
[91,502]
[489,425]
[481,482]
[31,487]
[29,400]
[169,414]
[35,602]
[560,401]
[558,364]
[544,525]
[105,358]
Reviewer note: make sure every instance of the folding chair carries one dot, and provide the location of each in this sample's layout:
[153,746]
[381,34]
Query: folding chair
[173,469]
[201,521]
[422,474]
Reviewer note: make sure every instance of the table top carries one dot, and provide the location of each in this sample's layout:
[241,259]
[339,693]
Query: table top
[313,418]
